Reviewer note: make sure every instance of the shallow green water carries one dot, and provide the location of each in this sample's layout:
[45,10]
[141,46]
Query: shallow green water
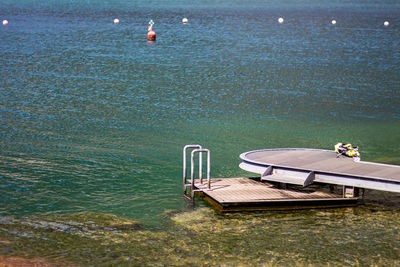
[362,236]
[94,119]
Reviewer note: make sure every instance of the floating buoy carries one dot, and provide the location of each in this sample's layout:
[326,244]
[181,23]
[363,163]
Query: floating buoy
[333,22]
[116,21]
[280,20]
[5,22]
[151,36]
[386,23]
[185,20]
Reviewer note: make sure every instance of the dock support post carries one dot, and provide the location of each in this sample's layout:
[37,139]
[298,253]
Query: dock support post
[350,191]
[310,179]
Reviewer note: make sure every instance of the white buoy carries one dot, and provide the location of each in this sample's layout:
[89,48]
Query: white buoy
[333,22]
[386,23]
[280,20]
[5,22]
[116,21]
[185,20]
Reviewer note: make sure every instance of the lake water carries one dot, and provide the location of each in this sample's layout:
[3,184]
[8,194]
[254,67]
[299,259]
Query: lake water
[94,119]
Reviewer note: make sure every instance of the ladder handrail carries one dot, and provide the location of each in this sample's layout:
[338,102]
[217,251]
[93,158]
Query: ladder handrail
[184,163]
[200,150]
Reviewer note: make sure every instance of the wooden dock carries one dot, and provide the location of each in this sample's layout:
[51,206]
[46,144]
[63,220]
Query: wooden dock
[289,178]
[246,194]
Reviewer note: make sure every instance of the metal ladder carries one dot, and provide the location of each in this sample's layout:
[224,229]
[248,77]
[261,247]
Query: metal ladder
[196,149]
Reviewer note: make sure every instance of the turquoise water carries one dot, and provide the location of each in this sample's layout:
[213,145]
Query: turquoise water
[94,117]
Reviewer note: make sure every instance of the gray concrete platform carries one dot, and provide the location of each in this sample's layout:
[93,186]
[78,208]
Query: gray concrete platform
[304,165]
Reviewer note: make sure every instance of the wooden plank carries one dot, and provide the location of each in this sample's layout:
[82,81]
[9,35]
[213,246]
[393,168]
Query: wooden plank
[237,194]
[235,190]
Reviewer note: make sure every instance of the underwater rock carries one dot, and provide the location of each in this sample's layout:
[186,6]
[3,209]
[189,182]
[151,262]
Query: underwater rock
[95,221]
[36,262]
[208,220]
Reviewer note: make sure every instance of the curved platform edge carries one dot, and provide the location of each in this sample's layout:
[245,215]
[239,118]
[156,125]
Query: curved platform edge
[243,155]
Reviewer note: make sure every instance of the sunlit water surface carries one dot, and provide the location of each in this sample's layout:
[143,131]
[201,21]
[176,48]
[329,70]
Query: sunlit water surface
[94,118]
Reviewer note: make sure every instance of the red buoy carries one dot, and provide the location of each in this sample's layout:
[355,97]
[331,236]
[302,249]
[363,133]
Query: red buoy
[151,36]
